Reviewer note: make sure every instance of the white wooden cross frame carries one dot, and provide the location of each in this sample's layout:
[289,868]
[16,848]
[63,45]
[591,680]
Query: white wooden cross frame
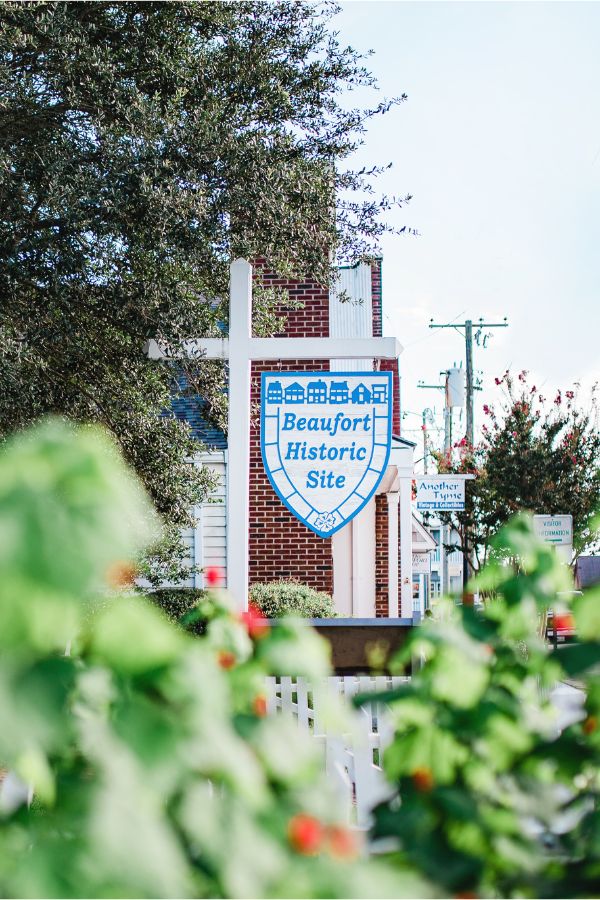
[240,349]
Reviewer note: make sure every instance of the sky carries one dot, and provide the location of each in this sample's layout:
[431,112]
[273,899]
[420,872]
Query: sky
[499,145]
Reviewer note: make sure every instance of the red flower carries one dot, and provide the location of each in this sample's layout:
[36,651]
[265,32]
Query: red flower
[569,395]
[213,576]
[305,834]
[423,779]
[486,409]
[226,659]
[342,842]
[259,705]
[498,380]
[120,575]
[255,622]
[590,725]
[514,434]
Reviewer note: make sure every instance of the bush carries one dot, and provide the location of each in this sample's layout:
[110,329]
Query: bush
[155,769]
[496,800]
[290,598]
[176,602]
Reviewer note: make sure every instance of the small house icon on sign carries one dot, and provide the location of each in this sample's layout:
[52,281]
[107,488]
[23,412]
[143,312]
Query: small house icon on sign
[379,393]
[274,392]
[338,392]
[361,394]
[316,392]
[294,393]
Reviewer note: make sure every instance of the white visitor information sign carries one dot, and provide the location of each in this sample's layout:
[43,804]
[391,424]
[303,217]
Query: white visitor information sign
[554,529]
[443,492]
[325,441]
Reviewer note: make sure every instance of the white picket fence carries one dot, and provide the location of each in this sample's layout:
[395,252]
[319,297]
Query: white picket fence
[352,753]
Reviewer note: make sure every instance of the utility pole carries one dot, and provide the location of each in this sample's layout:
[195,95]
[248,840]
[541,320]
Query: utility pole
[467,325]
[471,388]
[447,448]
[426,416]
[447,428]
[469,368]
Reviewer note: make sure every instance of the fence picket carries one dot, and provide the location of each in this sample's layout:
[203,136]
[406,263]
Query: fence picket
[348,758]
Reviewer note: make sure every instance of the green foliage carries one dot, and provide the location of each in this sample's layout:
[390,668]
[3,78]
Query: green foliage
[290,598]
[176,602]
[155,770]
[535,456]
[492,800]
[144,145]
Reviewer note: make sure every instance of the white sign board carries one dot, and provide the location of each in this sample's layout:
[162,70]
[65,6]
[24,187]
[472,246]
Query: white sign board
[554,529]
[325,442]
[421,563]
[444,492]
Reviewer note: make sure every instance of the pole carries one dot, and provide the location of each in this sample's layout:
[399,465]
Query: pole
[238,440]
[467,597]
[469,367]
[425,441]
[445,530]
[470,431]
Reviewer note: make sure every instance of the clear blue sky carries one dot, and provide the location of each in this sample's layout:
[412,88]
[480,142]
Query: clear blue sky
[499,144]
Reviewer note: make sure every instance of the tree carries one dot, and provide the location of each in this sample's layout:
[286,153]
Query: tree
[495,796]
[142,146]
[534,455]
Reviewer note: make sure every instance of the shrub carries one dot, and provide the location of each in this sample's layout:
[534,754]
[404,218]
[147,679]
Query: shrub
[155,769]
[495,802]
[290,598]
[176,602]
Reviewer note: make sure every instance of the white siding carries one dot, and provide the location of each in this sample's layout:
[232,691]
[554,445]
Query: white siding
[207,542]
[214,524]
[354,317]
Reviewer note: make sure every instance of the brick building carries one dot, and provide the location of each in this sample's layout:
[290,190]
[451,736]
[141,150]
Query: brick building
[361,565]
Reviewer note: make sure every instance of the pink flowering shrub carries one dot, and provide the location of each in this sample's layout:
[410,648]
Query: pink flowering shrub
[532,456]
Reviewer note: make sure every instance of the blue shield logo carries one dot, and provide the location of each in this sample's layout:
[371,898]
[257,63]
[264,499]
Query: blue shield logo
[325,441]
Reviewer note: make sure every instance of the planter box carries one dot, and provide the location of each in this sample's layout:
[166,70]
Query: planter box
[351,641]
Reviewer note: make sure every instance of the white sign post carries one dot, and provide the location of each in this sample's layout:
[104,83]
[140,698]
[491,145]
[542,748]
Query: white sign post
[239,349]
[557,530]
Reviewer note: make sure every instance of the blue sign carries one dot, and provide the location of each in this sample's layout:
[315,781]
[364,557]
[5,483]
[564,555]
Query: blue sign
[325,441]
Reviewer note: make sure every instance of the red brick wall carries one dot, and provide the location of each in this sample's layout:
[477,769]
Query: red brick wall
[280,545]
[391,365]
[381,556]
[376,297]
